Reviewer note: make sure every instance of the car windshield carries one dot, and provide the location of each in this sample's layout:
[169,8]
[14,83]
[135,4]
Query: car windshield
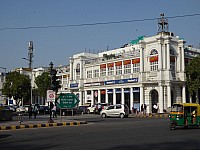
[177,108]
[110,107]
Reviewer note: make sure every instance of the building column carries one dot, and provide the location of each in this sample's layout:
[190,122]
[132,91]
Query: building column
[99,96]
[160,54]
[106,95]
[81,69]
[81,97]
[114,97]
[86,97]
[141,59]
[168,54]
[131,98]
[71,68]
[161,98]
[169,96]
[92,96]
[183,94]
[122,95]
[141,96]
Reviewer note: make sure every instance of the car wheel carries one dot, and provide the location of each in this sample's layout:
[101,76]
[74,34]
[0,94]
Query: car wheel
[103,115]
[121,115]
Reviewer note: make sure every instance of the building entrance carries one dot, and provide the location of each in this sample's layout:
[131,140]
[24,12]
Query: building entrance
[154,100]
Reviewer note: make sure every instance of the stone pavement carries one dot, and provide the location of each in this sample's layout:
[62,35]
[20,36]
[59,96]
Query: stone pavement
[40,121]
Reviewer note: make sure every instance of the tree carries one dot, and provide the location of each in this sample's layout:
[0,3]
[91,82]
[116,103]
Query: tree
[17,85]
[193,77]
[43,83]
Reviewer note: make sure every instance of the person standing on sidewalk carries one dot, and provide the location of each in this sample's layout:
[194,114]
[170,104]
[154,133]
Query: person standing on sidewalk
[30,110]
[54,111]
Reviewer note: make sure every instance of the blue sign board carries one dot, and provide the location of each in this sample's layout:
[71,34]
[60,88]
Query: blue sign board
[73,85]
[130,80]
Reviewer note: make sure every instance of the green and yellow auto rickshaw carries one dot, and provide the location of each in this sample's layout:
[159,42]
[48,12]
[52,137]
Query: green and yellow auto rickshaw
[184,115]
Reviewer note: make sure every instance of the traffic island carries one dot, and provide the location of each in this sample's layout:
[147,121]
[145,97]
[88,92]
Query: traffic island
[24,126]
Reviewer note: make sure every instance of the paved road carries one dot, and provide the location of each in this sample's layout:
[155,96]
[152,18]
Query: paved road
[104,134]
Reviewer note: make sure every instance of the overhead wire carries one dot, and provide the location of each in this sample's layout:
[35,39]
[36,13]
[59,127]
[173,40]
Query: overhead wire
[93,24]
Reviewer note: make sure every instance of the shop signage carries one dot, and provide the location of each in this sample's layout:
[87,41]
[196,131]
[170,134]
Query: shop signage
[73,85]
[130,80]
[93,84]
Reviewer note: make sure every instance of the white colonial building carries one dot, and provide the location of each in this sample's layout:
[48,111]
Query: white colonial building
[148,70]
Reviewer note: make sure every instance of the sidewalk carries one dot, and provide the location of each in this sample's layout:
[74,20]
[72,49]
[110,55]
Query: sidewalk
[152,115]
[39,122]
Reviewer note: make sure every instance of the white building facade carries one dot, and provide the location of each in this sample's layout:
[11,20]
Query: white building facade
[146,71]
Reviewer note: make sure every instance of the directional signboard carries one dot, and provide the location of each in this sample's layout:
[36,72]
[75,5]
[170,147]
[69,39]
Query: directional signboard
[68,100]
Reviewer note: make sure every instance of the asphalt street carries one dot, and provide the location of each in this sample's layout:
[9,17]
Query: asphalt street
[104,134]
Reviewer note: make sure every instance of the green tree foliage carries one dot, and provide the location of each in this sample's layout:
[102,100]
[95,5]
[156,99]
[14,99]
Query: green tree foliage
[17,85]
[43,83]
[193,76]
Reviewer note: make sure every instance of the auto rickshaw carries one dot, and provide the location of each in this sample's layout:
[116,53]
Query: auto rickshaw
[184,115]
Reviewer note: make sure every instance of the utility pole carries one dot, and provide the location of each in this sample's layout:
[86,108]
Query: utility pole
[30,53]
[30,60]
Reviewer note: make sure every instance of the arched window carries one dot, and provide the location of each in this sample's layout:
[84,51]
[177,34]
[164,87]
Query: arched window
[153,59]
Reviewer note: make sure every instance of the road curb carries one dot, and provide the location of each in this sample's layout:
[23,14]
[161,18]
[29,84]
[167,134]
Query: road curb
[152,116]
[23,126]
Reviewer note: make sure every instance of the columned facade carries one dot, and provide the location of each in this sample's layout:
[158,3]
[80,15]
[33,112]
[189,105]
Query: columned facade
[149,70]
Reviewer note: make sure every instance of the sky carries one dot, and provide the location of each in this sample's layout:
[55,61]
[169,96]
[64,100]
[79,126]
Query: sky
[48,23]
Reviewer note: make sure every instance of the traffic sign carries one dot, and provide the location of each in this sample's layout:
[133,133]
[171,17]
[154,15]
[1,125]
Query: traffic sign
[51,96]
[68,100]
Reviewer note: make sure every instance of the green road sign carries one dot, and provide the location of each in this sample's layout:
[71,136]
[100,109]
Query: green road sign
[68,100]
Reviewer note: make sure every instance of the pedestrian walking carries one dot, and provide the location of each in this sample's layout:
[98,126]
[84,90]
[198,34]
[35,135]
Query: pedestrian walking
[145,109]
[30,110]
[35,111]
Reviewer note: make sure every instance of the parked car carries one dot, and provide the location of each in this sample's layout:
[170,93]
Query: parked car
[91,109]
[44,109]
[118,110]
[97,108]
[26,107]
[21,109]
[82,109]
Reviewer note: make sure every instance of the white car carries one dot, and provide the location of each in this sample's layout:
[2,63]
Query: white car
[21,109]
[118,110]
[94,108]
[91,109]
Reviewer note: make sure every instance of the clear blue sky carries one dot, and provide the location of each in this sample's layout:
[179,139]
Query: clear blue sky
[58,44]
